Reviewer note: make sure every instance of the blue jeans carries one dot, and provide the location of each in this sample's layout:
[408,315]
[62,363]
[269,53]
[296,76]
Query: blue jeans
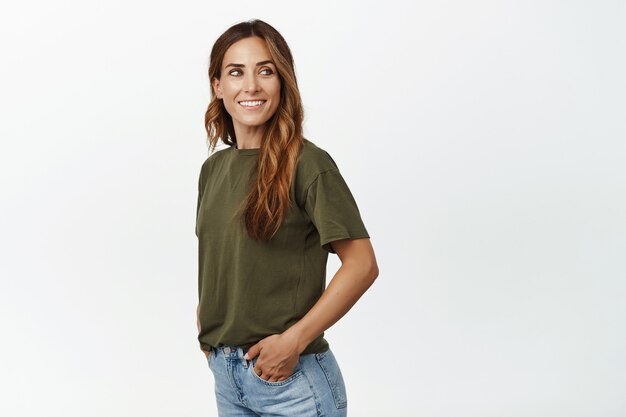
[314,389]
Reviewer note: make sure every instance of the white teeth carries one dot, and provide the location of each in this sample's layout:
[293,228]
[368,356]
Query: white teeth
[252,103]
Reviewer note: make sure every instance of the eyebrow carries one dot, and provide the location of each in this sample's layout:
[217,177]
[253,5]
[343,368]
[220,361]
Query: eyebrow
[269,61]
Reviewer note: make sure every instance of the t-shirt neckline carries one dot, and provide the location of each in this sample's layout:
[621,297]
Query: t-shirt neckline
[248,151]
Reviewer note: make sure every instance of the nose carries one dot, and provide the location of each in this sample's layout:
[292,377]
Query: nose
[251,83]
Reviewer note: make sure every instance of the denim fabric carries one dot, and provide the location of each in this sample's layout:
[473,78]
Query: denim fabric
[314,389]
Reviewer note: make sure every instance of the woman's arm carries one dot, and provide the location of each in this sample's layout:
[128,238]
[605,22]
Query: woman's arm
[198,318]
[357,273]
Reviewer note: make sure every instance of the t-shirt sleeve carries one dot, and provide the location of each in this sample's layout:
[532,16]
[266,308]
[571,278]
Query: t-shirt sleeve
[200,190]
[333,210]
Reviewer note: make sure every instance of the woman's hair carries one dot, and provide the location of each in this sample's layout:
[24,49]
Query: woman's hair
[268,201]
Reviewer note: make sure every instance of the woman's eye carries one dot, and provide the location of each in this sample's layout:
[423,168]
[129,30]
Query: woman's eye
[270,72]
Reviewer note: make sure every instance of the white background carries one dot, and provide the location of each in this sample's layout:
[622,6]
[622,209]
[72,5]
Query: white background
[483,142]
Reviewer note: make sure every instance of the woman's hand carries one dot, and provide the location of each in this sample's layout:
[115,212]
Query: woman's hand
[199,329]
[280,357]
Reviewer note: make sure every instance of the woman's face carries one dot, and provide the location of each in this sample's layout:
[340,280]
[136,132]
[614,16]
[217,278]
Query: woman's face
[248,74]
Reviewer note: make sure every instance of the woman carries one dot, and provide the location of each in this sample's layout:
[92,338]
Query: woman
[271,207]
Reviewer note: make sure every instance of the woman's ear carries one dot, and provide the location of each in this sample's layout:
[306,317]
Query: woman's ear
[216,88]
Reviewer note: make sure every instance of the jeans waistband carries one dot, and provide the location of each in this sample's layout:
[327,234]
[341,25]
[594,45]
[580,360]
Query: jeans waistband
[231,351]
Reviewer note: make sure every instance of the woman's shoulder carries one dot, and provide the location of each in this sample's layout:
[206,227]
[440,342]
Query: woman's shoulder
[314,159]
[214,156]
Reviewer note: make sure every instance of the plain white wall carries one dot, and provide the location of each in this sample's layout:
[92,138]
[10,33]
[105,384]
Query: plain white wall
[483,142]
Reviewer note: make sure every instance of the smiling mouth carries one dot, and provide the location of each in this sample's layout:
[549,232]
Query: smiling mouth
[252,104]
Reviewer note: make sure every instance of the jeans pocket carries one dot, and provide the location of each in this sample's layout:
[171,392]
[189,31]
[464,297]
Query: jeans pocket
[334,377]
[296,374]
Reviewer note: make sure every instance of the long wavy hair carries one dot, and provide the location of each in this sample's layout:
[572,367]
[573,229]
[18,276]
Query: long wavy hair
[268,200]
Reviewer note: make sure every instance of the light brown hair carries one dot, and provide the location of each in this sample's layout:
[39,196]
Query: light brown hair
[268,200]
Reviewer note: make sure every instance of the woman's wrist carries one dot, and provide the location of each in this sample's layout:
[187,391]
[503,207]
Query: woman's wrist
[299,338]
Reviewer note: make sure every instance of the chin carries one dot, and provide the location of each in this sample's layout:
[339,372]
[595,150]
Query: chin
[252,123]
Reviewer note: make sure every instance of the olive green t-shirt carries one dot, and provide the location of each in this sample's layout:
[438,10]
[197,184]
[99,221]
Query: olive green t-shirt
[248,289]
